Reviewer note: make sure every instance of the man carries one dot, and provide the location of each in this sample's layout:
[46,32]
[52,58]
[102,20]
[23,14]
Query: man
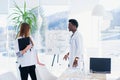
[75,55]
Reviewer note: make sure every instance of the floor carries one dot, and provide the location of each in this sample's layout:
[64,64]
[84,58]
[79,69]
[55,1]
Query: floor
[9,64]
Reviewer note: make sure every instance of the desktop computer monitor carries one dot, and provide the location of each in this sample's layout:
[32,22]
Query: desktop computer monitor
[100,65]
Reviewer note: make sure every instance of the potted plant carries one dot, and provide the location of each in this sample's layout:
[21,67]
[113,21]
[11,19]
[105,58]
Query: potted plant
[23,15]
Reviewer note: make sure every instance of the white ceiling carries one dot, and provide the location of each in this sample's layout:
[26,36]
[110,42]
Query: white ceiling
[83,5]
[34,3]
[55,2]
[75,5]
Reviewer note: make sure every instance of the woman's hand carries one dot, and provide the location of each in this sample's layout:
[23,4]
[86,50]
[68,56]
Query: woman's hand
[23,51]
[26,49]
[41,64]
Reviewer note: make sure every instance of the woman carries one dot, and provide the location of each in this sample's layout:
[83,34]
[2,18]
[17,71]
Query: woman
[27,58]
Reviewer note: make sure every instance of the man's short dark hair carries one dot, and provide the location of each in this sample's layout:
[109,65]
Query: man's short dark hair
[74,22]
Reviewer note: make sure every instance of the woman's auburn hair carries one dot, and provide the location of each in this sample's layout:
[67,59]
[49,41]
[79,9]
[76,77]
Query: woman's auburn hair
[24,30]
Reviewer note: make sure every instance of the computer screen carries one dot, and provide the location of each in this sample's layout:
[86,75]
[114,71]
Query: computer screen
[100,65]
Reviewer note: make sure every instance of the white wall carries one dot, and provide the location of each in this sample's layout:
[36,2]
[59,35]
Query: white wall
[3,6]
[29,3]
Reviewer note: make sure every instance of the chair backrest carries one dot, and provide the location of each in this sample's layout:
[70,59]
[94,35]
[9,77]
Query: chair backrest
[8,76]
[43,73]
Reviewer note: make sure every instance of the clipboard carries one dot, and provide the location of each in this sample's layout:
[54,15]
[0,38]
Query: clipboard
[23,42]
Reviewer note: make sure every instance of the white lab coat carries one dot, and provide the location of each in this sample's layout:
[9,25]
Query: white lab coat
[76,48]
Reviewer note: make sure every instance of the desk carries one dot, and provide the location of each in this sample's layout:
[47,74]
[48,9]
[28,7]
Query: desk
[75,74]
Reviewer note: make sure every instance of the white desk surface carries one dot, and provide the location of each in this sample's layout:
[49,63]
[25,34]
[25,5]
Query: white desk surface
[75,74]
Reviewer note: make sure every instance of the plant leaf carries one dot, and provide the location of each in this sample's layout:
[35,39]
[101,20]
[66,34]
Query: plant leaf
[17,7]
[24,6]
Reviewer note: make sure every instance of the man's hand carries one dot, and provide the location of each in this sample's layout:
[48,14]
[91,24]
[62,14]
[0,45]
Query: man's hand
[66,56]
[75,63]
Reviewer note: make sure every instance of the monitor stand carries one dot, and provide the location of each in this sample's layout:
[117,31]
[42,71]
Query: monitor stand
[98,76]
